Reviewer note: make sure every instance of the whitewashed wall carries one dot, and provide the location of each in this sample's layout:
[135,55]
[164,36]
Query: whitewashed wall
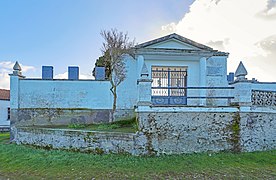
[4,113]
[127,90]
[64,94]
[216,76]
[79,93]
[265,86]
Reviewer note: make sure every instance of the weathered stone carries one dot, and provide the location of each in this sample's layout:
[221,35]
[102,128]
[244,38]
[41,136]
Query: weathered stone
[57,116]
[177,131]
[76,140]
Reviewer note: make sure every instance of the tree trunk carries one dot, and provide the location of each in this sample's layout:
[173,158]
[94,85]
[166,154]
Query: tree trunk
[114,102]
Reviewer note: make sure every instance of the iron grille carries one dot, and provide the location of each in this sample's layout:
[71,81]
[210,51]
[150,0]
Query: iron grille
[169,85]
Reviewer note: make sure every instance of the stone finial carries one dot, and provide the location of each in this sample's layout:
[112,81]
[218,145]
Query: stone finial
[144,71]
[17,66]
[241,72]
[17,69]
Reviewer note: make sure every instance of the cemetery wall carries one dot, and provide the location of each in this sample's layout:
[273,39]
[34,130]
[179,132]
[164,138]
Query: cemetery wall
[169,131]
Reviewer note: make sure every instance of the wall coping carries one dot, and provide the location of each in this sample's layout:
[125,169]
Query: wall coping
[185,109]
[39,79]
[242,109]
[74,130]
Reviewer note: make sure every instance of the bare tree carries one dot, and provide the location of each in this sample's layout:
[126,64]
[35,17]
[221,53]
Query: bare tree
[115,45]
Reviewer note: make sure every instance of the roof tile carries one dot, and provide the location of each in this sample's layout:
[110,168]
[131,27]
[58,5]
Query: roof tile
[4,94]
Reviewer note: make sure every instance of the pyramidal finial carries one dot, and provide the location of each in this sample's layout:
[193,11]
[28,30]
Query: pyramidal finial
[17,70]
[144,71]
[17,67]
[241,72]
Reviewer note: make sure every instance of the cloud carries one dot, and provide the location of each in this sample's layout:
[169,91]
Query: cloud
[219,45]
[169,27]
[65,76]
[6,68]
[268,44]
[234,26]
[269,12]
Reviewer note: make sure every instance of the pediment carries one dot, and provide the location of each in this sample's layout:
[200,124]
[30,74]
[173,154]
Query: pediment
[173,44]
[174,41]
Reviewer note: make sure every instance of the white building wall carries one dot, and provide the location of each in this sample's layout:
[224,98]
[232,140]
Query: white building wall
[64,94]
[4,104]
[127,90]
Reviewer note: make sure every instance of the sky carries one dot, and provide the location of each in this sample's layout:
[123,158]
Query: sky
[63,33]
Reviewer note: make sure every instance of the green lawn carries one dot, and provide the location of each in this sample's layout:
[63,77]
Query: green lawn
[24,162]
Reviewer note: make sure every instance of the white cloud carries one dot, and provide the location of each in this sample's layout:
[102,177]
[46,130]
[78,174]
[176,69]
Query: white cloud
[240,27]
[6,68]
[65,76]
[169,27]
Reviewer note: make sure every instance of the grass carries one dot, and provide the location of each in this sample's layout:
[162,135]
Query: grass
[25,162]
[128,126]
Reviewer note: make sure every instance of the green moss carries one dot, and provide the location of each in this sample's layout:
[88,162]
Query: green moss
[235,136]
[149,146]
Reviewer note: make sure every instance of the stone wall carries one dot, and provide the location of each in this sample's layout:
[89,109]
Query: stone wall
[52,117]
[77,140]
[258,131]
[186,130]
[168,130]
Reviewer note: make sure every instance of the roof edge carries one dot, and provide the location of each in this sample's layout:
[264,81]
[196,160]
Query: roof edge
[177,37]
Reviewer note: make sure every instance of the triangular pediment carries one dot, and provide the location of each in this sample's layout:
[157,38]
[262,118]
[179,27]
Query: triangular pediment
[173,44]
[174,41]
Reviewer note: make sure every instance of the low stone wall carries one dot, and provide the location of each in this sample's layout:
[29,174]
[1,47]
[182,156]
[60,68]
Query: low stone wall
[168,130]
[78,140]
[123,114]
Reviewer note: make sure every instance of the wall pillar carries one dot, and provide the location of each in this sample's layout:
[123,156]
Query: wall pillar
[14,97]
[144,88]
[242,93]
[202,79]
[243,87]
